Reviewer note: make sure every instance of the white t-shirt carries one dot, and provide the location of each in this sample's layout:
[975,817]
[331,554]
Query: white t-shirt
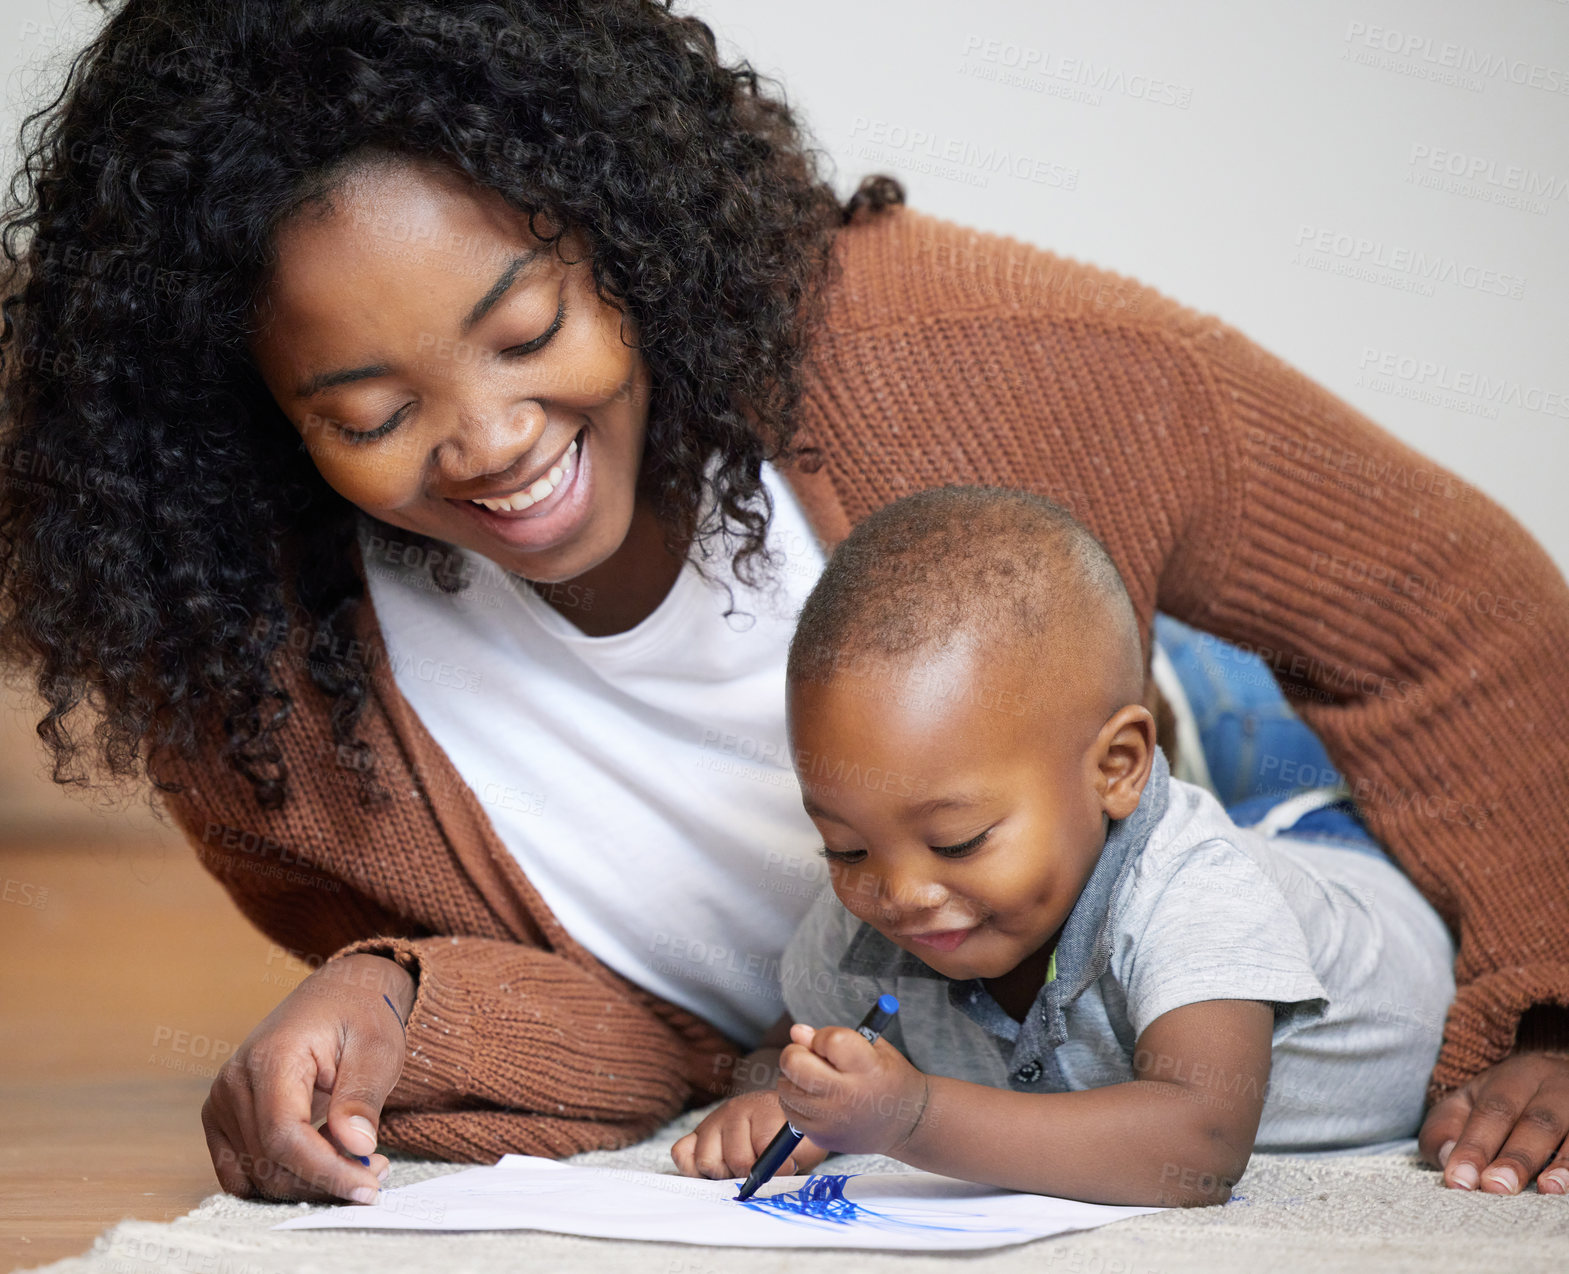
[641,780]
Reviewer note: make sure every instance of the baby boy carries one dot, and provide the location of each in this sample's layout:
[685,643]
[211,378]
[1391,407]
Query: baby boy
[1109,991]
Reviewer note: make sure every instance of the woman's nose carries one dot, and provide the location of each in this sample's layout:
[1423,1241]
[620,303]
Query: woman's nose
[489,439]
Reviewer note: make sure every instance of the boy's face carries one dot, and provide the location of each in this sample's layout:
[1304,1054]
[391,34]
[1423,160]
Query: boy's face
[962,818]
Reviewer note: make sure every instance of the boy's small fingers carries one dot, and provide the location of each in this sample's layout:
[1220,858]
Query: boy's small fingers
[807,1073]
[844,1049]
[708,1157]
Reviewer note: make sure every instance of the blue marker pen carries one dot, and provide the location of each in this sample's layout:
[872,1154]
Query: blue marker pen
[788,1138]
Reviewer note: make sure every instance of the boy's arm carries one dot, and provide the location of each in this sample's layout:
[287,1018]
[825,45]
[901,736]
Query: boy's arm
[1179,1134]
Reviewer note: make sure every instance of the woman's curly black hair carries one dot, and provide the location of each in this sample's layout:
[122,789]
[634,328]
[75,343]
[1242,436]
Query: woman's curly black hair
[161,527]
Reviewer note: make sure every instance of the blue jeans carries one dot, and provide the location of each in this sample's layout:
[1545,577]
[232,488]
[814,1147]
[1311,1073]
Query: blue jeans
[1258,750]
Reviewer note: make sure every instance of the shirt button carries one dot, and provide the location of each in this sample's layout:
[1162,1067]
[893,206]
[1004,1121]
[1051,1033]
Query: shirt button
[1028,1073]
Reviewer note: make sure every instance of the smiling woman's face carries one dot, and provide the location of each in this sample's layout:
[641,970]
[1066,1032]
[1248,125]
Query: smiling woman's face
[432,353]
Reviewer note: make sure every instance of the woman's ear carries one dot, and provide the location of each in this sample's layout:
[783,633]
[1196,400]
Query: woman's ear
[1125,751]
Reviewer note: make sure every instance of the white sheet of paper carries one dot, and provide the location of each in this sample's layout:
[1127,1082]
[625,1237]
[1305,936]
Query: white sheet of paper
[895,1210]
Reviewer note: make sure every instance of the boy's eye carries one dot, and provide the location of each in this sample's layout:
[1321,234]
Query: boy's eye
[960,850]
[842,855]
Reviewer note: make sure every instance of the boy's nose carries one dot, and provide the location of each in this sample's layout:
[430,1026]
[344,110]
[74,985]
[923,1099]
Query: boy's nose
[906,894]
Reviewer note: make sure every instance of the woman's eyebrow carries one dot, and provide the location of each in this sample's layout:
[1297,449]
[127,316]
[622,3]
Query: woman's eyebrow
[323,381]
[509,276]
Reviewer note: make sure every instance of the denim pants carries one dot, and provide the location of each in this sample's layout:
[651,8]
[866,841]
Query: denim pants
[1268,769]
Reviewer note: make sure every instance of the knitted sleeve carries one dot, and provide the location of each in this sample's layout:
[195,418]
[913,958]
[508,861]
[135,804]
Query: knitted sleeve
[515,1050]
[510,1048]
[1424,635]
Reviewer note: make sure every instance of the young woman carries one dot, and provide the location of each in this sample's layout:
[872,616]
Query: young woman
[421,422]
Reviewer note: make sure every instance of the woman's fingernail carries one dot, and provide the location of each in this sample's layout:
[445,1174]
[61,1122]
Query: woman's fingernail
[384,1173]
[1504,1177]
[1464,1177]
[1554,1182]
[362,1194]
[1443,1153]
[363,1126]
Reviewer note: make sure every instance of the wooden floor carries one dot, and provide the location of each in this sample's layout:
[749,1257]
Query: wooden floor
[125,976]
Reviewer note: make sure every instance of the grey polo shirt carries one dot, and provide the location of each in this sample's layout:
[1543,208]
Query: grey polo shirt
[1183,906]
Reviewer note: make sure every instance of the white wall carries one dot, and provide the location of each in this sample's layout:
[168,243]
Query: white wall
[1273,124]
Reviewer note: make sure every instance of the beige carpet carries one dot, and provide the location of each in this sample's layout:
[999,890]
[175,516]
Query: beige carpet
[1334,1213]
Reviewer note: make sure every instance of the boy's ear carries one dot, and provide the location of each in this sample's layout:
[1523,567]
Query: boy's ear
[1125,751]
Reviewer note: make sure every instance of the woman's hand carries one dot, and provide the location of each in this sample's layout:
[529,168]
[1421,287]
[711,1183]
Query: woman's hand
[1504,1127]
[727,1143]
[334,1047]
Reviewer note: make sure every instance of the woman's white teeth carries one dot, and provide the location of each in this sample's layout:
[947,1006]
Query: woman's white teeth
[543,487]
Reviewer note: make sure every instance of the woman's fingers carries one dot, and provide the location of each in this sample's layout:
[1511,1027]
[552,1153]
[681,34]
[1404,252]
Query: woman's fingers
[1538,1132]
[1443,1126]
[1555,1177]
[366,1072]
[285,1136]
[1500,1130]
[221,1145]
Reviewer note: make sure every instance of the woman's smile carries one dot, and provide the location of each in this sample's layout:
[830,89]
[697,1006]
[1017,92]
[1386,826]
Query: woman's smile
[548,511]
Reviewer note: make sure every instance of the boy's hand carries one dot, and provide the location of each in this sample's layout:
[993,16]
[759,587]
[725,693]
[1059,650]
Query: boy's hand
[849,1094]
[727,1143]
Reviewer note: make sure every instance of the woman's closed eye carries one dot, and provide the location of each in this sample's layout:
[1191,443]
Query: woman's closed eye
[514,351]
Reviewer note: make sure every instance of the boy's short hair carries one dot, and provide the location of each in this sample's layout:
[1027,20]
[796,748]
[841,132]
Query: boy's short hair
[988,565]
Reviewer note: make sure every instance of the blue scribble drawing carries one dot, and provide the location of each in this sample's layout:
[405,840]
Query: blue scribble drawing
[821,1198]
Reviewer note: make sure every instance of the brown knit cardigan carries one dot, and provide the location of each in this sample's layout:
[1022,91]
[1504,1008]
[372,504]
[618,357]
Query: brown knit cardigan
[1419,629]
